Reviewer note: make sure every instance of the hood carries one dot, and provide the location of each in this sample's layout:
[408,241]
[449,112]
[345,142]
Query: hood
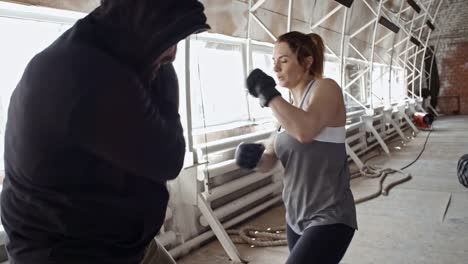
[136,34]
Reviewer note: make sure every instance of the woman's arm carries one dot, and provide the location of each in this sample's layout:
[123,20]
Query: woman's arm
[269,158]
[323,108]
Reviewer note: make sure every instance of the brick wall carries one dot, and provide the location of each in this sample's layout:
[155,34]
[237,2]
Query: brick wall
[452,56]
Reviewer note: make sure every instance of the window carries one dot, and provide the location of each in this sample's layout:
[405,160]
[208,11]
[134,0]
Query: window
[398,85]
[217,82]
[331,69]
[388,91]
[380,85]
[357,89]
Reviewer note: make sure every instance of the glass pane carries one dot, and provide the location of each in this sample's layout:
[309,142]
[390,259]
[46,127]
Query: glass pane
[217,83]
[332,70]
[357,87]
[380,85]
[398,85]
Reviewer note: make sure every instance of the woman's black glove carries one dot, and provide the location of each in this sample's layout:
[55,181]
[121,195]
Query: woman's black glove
[262,86]
[248,155]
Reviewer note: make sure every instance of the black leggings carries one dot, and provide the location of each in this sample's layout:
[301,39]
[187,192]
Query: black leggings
[324,244]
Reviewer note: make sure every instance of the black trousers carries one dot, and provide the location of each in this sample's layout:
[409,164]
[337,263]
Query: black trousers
[325,244]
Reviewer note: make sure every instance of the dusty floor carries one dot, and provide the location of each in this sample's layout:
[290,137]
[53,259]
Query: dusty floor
[424,220]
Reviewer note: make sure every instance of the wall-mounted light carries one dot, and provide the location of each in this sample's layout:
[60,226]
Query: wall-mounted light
[389,24]
[415,41]
[430,25]
[346,3]
[414,5]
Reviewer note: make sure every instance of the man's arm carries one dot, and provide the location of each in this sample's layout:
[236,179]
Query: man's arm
[165,89]
[118,121]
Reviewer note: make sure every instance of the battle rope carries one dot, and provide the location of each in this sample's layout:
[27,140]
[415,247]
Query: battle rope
[259,237]
[369,171]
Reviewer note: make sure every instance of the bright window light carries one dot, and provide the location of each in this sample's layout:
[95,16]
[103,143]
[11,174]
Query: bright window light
[331,69]
[398,85]
[380,85]
[217,83]
[358,88]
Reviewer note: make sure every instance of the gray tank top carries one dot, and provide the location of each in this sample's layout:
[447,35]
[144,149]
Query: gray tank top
[316,178]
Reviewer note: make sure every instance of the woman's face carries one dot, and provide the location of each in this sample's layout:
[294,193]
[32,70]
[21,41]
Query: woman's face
[287,67]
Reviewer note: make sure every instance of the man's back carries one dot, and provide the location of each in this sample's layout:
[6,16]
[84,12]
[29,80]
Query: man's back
[63,199]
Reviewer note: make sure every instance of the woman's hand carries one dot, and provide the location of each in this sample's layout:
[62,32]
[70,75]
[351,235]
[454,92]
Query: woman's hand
[262,86]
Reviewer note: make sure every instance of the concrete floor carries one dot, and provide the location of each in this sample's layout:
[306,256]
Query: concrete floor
[424,220]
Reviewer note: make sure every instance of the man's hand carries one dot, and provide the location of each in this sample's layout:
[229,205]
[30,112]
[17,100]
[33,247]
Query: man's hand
[262,86]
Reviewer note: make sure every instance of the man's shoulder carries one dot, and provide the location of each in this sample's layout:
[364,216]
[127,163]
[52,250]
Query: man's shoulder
[81,61]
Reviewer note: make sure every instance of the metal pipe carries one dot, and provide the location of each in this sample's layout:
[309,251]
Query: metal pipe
[362,28]
[357,51]
[355,137]
[357,77]
[290,9]
[188,102]
[248,56]
[196,241]
[383,38]
[327,16]
[331,51]
[256,6]
[371,61]
[342,48]
[238,184]
[244,201]
[399,43]
[231,142]
[354,114]
[263,26]
[358,146]
[355,100]
[166,238]
[353,126]
[370,8]
[407,44]
[221,168]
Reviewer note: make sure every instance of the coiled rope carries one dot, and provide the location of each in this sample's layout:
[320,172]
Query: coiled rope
[259,237]
[373,172]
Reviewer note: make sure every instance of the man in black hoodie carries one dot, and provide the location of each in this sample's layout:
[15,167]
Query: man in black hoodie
[94,133]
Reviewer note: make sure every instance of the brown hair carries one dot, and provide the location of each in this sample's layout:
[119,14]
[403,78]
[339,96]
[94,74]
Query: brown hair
[305,45]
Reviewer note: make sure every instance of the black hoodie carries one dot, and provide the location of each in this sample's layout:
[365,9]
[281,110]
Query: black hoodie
[91,140]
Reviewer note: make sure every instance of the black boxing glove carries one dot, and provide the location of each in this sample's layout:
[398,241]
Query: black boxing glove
[248,155]
[262,86]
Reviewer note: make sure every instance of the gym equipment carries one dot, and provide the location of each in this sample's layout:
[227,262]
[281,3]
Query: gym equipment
[462,170]
[423,120]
